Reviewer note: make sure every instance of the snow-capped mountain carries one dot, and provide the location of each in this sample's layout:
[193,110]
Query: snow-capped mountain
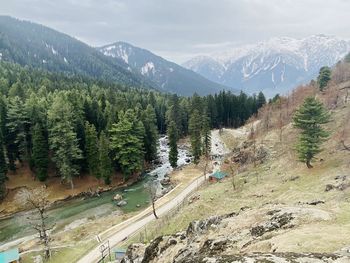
[273,66]
[169,76]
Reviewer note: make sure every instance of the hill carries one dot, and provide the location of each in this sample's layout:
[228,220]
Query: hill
[169,76]
[274,66]
[31,44]
[271,208]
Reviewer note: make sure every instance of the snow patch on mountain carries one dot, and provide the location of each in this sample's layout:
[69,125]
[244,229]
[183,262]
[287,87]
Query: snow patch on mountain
[280,62]
[116,51]
[148,68]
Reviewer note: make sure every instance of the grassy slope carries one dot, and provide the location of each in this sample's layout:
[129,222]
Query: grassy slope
[270,184]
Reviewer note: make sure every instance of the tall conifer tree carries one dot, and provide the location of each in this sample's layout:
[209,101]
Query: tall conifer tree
[309,119]
[40,155]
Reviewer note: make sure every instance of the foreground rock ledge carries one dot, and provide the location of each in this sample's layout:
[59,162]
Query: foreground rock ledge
[270,257]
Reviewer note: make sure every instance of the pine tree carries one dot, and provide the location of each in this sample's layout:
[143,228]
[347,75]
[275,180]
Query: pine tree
[206,141]
[127,143]
[309,118]
[173,137]
[40,154]
[17,124]
[151,133]
[63,139]
[105,163]
[3,169]
[195,124]
[324,77]
[91,148]
[206,136]
[261,100]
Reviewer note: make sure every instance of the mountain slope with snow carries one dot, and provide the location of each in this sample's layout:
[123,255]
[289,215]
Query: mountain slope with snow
[35,45]
[273,66]
[169,76]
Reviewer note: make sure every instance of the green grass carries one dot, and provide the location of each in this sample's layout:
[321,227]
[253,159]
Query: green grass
[68,254]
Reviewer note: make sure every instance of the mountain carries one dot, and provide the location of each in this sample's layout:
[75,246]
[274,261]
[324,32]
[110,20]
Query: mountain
[167,75]
[38,46]
[273,66]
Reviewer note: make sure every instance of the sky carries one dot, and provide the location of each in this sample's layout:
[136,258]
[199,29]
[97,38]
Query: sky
[181,29]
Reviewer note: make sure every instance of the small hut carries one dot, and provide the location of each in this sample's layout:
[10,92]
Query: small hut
[9,256]
[217,176]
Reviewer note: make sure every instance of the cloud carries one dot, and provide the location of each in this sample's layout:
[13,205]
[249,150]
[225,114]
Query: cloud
[178,29]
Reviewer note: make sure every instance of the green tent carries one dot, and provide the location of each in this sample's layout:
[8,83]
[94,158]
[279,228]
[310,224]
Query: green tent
[218,175]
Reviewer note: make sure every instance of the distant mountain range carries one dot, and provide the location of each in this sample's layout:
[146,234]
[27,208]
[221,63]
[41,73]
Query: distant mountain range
[28,43]
[273,66]
[167,75]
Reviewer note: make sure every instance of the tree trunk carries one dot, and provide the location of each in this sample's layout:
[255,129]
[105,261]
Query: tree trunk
[71,184]
[154,209]
[308,164]
[205,168]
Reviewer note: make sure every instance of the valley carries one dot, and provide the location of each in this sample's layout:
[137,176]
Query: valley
[174,132]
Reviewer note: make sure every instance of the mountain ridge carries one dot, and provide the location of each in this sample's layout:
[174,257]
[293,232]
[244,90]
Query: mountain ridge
[272,66]
[36,45]
[168,75]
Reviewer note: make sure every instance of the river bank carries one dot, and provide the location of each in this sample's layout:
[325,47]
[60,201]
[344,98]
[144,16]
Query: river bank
[96,202]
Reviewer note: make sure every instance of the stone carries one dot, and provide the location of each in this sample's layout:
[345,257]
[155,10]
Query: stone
[276,222]
[316,202]
[329,187]
[117,197]
[122,203]
[165,181]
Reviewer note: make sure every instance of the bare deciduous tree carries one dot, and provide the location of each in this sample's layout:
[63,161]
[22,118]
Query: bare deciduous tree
[152,190]
[37,199]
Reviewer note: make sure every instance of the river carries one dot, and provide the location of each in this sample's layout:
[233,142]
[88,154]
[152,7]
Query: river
[68,212]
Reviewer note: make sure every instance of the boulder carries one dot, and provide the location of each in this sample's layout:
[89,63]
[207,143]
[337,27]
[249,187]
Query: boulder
[276,222]
[134,253]
[122,203]
[165,181]
[117,197]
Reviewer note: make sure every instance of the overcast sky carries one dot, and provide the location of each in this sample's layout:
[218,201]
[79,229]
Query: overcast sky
[180,29]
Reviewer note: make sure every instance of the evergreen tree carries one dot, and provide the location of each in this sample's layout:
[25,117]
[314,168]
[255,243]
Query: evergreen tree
[40,154]
[3,169]
[309,118]
[127,143]
[17,124]
[261,100]
[91,148]
[195,123]
[63,139]
[151,133]
[324,77]
[105,163]
[206,141]
[174,113]
[206,136]
[173,137]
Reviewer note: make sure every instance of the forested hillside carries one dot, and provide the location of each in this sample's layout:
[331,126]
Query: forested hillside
[80,125]
[31,44]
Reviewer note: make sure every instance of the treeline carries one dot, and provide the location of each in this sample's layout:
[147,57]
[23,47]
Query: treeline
[74,125]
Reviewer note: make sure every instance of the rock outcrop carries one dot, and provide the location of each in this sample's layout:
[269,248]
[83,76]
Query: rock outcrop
[235,237]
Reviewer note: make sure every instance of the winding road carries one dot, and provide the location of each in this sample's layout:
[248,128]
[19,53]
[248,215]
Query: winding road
[118,237]
[218,148]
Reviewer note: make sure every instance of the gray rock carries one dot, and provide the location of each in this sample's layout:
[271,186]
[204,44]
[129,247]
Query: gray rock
[122,203]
